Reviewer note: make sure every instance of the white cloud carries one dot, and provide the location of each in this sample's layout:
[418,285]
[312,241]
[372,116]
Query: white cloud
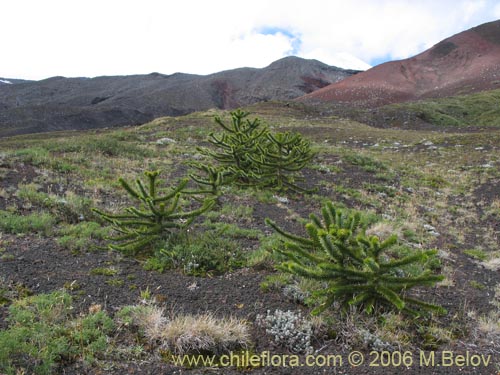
[95,37]
[340,59]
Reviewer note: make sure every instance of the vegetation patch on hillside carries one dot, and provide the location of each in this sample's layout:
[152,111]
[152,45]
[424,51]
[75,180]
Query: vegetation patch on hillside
[473,110]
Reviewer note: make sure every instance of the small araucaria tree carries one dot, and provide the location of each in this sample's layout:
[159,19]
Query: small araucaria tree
[358,270]
[237,141]
[156,216]
[249,154]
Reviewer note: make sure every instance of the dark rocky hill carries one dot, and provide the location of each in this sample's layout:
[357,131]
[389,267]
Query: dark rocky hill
[465,63]
[12,81]
[60,103]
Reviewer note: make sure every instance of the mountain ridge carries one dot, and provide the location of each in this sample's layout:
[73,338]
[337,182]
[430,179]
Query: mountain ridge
[59,103]
[464,63]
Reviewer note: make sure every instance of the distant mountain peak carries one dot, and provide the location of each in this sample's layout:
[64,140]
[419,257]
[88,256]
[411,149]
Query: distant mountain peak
[290,61]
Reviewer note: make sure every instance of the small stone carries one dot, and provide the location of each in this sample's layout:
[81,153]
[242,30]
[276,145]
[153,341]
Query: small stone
[281,199]
[429,228]
[164,141]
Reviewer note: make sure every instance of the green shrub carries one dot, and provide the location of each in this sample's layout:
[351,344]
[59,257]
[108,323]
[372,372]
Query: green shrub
[357,269]
[435,182]
[30,193]
[42,223]
[479,109]
[36,156]
[367,163]
[103,271]
[233,230]
[89,334]
[72,208]
[477,254]
[42,334]
[264,256]
[78,237]
[36,339]
[50,308]
[207,253]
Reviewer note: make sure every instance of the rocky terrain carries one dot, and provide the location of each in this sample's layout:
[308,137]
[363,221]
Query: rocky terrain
[464,63]
[60,103]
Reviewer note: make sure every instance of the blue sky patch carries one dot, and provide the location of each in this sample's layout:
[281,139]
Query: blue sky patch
[380,60]
[294,39]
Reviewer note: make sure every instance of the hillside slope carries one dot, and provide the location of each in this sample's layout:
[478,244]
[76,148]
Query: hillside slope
[60,103]
[464,63]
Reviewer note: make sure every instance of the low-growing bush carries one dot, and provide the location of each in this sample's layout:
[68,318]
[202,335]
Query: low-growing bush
[367,163]
[90,334]
[82,236]
[289,330]
[41,223]
[42,334]
[206,253]
[70,208]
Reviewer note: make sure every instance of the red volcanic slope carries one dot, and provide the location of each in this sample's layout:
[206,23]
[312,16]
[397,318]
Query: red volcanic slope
[464,63]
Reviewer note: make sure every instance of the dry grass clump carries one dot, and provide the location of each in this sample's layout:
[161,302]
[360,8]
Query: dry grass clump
[199,333]
[150,320]
[184,334]
[490,324]
[492,264]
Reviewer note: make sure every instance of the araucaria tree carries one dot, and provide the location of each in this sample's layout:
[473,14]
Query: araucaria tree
[251,155]
[357,270]
[155,217]
[237,142]
[280,157]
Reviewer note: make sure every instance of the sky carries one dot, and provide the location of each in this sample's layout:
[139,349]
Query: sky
[88,38]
